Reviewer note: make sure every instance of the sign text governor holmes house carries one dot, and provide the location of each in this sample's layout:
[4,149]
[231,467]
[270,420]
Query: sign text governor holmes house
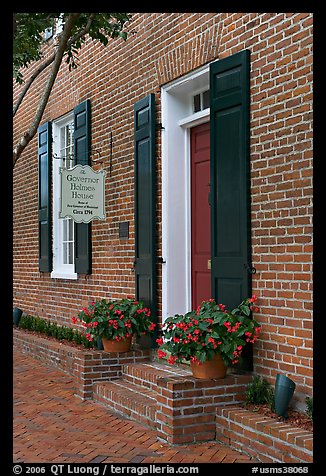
[202,126]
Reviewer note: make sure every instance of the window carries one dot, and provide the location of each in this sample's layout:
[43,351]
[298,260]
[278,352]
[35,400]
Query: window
[65,248]
[63,228]
[48,32]
[200,101]
[58,25]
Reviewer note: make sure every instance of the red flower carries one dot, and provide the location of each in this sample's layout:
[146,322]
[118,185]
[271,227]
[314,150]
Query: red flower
[152,326]
[161,354]
[210,320]
[159,341]
[172,359]
[194,360]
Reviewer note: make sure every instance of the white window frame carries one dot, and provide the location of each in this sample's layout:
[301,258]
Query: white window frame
[58,26]
[177,120]
[60,270]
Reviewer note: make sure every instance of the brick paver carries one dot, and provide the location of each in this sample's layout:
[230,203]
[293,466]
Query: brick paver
[51,424]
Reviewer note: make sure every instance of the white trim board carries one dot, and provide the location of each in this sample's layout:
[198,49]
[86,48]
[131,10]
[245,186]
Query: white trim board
[177,119]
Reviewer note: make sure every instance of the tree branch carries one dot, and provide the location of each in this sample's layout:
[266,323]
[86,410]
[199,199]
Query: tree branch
[49,61]
[63,41]
[30,81]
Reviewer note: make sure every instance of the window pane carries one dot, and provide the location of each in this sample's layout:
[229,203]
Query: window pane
[65,230]
[71,229]
[64,253]
[70,253]
[205,99]
[62,139]
[197,103]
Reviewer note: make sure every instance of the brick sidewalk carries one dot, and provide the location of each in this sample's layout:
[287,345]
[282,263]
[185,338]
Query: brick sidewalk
[51,424]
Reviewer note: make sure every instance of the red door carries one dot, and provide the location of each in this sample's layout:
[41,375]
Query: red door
[200,215]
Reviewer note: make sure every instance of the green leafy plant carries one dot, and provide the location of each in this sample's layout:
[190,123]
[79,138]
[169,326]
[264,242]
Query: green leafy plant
[259,391]
[309,407]
[211,329]
[116,319]
[51,329]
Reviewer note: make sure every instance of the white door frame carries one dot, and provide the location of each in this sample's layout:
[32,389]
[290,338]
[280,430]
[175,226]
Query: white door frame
[177,120]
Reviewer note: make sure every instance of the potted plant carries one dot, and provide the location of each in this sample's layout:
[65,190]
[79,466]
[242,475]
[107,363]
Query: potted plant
[115,322]
[211,337]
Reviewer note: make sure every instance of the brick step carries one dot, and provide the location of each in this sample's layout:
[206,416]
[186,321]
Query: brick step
[265,438]
[124,397]
[147,374]
[169,399]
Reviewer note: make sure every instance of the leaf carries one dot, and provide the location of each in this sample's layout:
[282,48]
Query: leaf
[245,309]
[215,335]
[201,356]
[203,325]
[210,354]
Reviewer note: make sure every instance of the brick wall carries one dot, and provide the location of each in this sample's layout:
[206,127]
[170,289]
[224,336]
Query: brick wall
[187,407]
[85,365]
[263,437]
[160,48]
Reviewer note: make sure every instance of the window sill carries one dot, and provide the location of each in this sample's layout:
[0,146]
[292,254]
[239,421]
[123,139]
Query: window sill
[63,275]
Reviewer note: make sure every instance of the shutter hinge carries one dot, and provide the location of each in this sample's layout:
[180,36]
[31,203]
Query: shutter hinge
[251,269]
[159,125]
[160,260]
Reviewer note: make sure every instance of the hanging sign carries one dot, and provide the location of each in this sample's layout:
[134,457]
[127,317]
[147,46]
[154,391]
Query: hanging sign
[82,193]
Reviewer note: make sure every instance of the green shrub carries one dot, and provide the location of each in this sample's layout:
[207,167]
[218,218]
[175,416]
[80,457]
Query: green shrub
[51,329]
[259,391]
[309,407]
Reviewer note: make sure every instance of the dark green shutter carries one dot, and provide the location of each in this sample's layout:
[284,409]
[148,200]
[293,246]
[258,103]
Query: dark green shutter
[230,179]
[145,202]
[82,145]
[44,196]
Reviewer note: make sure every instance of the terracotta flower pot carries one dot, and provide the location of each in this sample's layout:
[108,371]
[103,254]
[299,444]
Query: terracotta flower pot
[209,369]
[112,345]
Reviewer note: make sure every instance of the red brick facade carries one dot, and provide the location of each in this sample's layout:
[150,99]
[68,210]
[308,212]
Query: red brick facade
[160,48]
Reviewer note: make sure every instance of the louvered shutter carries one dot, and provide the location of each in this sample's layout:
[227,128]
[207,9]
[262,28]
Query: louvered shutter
[82,146]
[44,196]
[230,182]
[145,202]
